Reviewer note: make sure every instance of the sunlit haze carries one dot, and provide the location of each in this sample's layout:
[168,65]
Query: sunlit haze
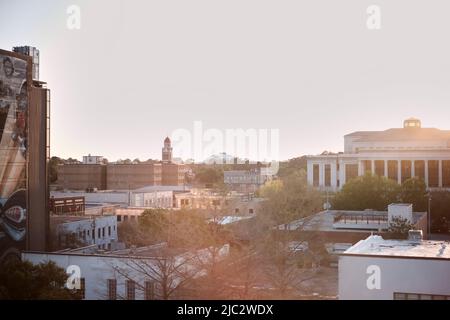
[138,70]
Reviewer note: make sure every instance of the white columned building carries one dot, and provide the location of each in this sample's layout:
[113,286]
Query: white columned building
[398,154]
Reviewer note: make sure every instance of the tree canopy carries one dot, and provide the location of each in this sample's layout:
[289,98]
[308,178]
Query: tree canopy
[377,192]
[288,199]
[21,280]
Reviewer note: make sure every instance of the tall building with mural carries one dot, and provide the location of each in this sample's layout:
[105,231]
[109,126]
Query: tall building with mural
[24,153]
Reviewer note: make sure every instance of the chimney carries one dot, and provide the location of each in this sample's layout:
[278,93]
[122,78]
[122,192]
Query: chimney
[415,235]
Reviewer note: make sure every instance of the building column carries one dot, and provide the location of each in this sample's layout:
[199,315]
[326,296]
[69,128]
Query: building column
[440,173]
[426,173]
[333,172]
[360,168]
[310,172]
[413,169]
[386,168]
[321,175]
[399,171]
[342,176]
[372,163]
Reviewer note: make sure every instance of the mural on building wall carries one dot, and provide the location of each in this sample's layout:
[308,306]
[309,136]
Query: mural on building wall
[13,153]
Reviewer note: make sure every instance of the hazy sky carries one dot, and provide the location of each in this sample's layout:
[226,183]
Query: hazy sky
[138,70]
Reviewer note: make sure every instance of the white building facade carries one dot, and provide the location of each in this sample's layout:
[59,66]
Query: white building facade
[135,198]
[398,154]
[378,269]
[92,159]
[100,231]
[247,180]
[122,275]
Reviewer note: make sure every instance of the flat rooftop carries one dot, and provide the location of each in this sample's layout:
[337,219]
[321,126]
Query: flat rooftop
[59,219]
[377,246]
[325,220]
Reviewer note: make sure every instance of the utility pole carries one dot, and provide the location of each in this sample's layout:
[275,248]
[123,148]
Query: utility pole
[429,214]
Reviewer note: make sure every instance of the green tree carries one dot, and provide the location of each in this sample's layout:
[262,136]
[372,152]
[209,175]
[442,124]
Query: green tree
[52,168]
[288,199]
[440,211]
[21,280]
[291,166]
[367,192]
[414,191]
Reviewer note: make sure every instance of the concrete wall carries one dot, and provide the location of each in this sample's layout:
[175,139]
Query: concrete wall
[396,275]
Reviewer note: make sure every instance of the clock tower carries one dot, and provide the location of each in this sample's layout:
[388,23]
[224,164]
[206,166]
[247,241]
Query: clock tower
[167,151]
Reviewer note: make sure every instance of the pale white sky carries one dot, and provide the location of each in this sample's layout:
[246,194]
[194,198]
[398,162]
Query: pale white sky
[138,70]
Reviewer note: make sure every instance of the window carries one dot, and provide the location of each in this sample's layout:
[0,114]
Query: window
[112,289]
[236,210]
[98,233]
[419,296]
[103,232]
[327,175]
[315,175]
[131,286]
[109,231]
[149,290]
[250,211]
[93,234]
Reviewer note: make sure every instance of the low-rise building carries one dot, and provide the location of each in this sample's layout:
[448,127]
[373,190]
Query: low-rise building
[340,229]
[133,176]
[151,198]
[247,181]
[208,199]
[81,176]
[93,174]
[92,159]
[79,231]
[379,269]
[130,274]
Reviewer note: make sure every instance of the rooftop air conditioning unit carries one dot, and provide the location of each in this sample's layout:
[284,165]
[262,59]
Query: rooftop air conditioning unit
[415,235]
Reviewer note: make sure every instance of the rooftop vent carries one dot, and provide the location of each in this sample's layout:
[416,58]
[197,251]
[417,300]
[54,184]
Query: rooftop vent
[415,235]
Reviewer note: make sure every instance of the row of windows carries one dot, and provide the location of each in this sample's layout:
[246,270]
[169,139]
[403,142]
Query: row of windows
[130,289]
[90,233]
[159,202]
[419,296]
